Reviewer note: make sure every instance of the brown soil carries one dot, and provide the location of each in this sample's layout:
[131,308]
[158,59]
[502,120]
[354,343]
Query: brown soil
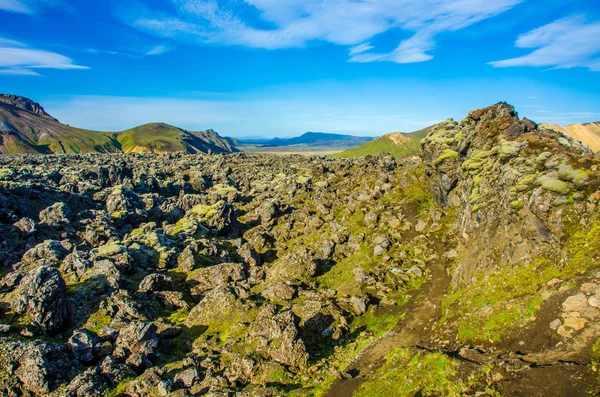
[422,308]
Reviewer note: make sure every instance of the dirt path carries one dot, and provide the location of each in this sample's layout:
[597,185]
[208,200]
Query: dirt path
[423,307]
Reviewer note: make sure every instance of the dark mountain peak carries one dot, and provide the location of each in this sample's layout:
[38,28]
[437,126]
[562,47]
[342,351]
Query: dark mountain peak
[24,104]
[320,139]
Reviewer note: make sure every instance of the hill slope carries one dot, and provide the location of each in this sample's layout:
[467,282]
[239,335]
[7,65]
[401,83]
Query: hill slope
[397,143]
[588,133]
[25,127]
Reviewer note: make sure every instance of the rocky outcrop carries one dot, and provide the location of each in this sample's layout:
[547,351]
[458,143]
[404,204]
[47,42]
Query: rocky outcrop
[504,174]
[24,103]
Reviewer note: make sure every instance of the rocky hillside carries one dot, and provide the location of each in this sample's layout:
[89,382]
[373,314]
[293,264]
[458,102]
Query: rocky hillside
[470,270]
[26,128]
[399,144]
[588,133]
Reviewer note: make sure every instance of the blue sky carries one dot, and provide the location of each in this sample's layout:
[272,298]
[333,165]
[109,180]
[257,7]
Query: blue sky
[283,67]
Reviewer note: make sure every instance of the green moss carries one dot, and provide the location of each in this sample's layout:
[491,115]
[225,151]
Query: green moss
[420,194]
[110,250]
[525,183]
[476,161]
[516,205]
[178,317]
[580,178]
[508,149]
[410,372]
[553,185]
[203,211]
[223,189]
[119,389]
[302,180]
[447,154]
[98,320]
[6,173]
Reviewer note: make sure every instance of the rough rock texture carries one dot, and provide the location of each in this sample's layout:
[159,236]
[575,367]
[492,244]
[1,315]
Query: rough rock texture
[42,297]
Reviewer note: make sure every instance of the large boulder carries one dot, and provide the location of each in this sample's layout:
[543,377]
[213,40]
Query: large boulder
[56,215]
[296,266]
[218,304]
[37,367]
[41,295]
[208,278]
[220,218]
[139,337]
[277,335]
[49,253]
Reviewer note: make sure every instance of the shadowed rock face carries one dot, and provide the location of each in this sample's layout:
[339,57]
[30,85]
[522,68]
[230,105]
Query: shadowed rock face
[24,103]
[187,274]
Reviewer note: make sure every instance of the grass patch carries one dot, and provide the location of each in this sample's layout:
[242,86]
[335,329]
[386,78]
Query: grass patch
[409,372]
[398,144]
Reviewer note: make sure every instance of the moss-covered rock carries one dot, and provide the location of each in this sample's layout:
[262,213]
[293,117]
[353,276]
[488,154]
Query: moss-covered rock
[447,154]
[552,184]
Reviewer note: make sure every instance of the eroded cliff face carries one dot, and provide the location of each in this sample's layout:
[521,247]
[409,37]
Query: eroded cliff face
[515,186]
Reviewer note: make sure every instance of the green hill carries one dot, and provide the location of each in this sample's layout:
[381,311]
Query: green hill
[25,127]
[399,144]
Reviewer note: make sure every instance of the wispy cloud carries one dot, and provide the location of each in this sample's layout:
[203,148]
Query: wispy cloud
[295,23]
[30,6]
[18,59]
[563,44]
[158,50]
[15,6]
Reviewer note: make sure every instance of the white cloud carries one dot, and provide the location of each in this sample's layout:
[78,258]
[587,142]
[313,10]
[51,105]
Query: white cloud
[158,50]
[563,44]
[18,59]
[29,6]
[295,23]
[15,6]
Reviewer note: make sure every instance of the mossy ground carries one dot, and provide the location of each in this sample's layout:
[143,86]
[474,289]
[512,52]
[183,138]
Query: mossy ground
[411,372]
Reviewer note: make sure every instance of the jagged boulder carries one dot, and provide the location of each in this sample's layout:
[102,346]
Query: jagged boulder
[296,266]
[41,295]
[56,215]
[277,335]
[208,278]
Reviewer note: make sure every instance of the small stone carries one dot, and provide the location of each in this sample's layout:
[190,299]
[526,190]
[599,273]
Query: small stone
[594,301]
[379,250]
[589,288]
[415,271]
[555,324]
[420,226]
[571,326]
[394,223]
[452,254]
[575,303]
[359,305]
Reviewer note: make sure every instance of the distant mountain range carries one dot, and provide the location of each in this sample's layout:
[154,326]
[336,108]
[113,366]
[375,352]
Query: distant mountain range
[25,127]
[588,133]
[316,139]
